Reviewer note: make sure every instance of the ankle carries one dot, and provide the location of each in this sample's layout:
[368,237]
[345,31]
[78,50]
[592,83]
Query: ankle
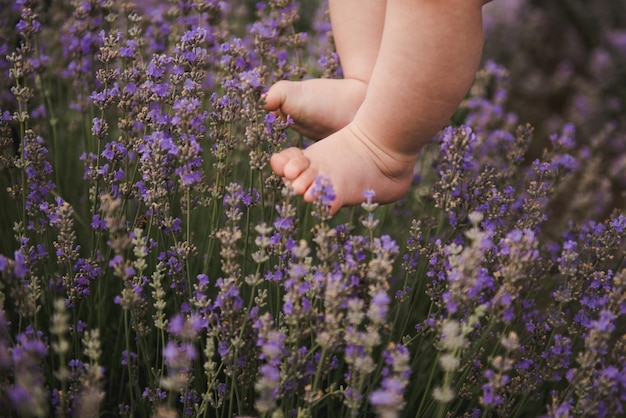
[394,161]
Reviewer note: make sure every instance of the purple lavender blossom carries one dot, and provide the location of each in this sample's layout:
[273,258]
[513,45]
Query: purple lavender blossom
[324,190]
[388,401]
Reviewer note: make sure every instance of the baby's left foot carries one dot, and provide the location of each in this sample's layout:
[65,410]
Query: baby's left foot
[319,106]
[352,162]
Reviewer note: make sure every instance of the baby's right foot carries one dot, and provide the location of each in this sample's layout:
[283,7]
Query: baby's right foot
[352,162]
[319,107]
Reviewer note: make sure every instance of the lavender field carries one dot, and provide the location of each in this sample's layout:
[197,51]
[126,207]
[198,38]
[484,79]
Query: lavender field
[151,265]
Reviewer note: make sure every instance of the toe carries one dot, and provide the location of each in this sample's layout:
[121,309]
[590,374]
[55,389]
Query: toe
[276,95]
[302,184]
[296,166]
[279,160]
[289,163]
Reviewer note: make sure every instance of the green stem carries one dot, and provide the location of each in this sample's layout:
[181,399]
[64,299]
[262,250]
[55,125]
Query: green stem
[318,371]
[426,392]
[128,361]
[188,238]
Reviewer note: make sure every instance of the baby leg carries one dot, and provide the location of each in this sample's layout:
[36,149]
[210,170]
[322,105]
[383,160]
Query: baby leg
[357,30]
[320,107]
[428,58]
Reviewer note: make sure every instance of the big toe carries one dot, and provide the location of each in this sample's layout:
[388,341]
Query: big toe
[289,163]
[277,95]
[296,166]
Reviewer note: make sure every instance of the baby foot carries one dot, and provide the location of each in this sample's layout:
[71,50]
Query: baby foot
[319,107]
[352,162]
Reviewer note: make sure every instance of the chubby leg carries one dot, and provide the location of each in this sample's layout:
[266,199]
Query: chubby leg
[320,107]
[357,29]
[428,57]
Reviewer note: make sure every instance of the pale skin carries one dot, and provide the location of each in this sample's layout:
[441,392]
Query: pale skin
[407,65]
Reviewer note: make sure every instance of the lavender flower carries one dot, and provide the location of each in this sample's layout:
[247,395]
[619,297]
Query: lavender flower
[268,384]
[455,166]
[81,39]
[388,401]
[324,196]
[27,395]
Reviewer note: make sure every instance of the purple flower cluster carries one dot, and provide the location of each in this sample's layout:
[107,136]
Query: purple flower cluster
[388,400]
[27,393]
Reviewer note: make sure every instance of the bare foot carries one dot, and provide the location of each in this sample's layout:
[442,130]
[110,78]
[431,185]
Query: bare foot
[352,162]
[319,107]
